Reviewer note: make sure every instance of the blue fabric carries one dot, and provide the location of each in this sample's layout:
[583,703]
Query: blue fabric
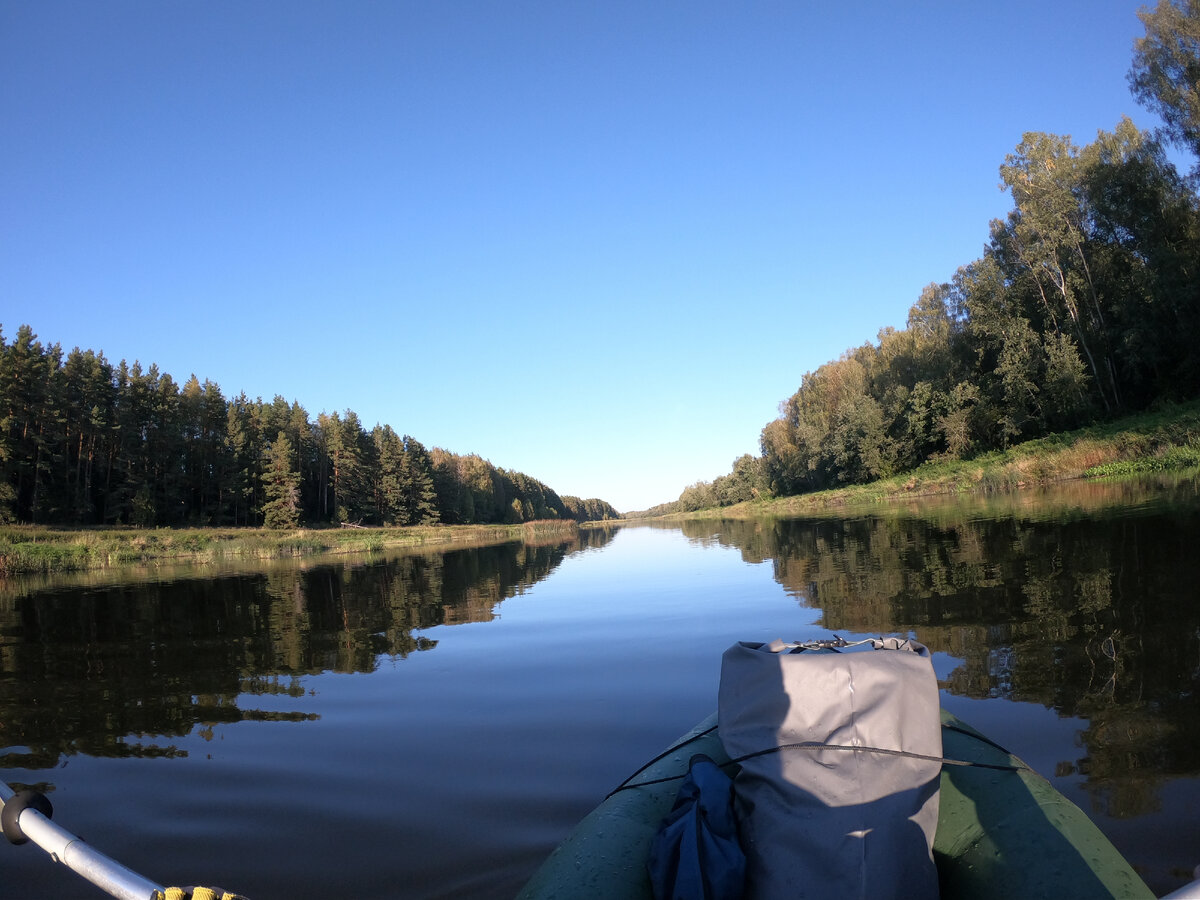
[696,854]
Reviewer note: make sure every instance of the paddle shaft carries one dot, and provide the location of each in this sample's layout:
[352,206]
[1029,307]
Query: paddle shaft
[80,857]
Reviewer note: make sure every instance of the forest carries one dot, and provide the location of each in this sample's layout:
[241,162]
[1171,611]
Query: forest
[86,442]
[1085,306]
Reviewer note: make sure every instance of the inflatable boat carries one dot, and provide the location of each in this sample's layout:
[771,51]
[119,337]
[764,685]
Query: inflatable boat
[1002,831]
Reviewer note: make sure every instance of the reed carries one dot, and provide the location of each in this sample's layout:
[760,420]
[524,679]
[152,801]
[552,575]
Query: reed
[37,549]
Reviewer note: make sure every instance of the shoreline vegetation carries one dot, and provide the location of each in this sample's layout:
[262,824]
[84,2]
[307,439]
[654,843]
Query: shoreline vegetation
[37,549]
[86,443]
[1162,441]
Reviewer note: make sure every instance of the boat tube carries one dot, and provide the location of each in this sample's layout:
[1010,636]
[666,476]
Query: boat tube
[1002,831]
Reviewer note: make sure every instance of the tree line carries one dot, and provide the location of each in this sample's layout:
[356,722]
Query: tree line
[1085,305]
[86,442]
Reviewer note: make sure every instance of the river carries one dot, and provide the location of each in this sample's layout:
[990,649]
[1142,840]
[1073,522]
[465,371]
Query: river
[432,725]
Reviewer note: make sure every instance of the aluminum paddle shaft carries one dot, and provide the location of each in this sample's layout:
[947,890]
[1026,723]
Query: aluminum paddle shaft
[76,854]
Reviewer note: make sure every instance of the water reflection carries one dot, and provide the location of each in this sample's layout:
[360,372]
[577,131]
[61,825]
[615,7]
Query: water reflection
[1085,602]
[118,669]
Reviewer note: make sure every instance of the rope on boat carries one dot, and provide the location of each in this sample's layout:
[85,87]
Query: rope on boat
[818,745]
[629,783]
[26,817]
[625,785]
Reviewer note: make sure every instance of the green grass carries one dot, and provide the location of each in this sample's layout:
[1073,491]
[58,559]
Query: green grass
[36,549]
[1168,460]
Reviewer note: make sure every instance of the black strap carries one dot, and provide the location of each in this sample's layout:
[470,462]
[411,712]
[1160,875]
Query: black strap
[629,783]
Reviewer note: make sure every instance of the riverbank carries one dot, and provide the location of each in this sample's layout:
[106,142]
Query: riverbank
[1161,441]
[32,549]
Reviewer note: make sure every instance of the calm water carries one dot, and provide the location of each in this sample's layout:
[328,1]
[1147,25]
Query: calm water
[430,726]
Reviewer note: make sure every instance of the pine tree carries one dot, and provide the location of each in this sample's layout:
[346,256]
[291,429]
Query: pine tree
[89,405]
[8,496]
[349,461]
[29,370]
[282,485]
[243,442]
[417,484]
[390,506]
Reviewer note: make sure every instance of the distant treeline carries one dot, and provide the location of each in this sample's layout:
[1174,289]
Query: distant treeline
[86,442]
[1084,306]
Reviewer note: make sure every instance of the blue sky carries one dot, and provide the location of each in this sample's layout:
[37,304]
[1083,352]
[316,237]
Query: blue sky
[595,242]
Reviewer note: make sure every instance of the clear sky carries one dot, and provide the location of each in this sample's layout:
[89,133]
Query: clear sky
[595,242]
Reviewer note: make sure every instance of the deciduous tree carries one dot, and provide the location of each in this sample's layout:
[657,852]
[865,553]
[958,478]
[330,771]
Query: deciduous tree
[1165,76]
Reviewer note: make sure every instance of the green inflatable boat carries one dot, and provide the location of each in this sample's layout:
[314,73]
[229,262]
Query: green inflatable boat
[1003,831]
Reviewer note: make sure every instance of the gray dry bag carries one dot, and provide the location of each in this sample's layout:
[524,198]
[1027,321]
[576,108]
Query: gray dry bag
[840,764]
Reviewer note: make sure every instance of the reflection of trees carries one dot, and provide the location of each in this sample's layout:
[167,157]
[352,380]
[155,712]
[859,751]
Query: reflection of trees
[83,669]
[1096,616]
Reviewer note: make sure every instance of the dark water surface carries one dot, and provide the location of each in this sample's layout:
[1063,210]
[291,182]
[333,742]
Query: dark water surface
[430,726]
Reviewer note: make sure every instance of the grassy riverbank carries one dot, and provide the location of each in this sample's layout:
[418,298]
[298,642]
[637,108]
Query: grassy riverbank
[31,548]
[1165,440]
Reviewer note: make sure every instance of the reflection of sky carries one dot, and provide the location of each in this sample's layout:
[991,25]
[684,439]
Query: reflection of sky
[1028,730]
[944,664]
[1167,843]
[1001,661]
